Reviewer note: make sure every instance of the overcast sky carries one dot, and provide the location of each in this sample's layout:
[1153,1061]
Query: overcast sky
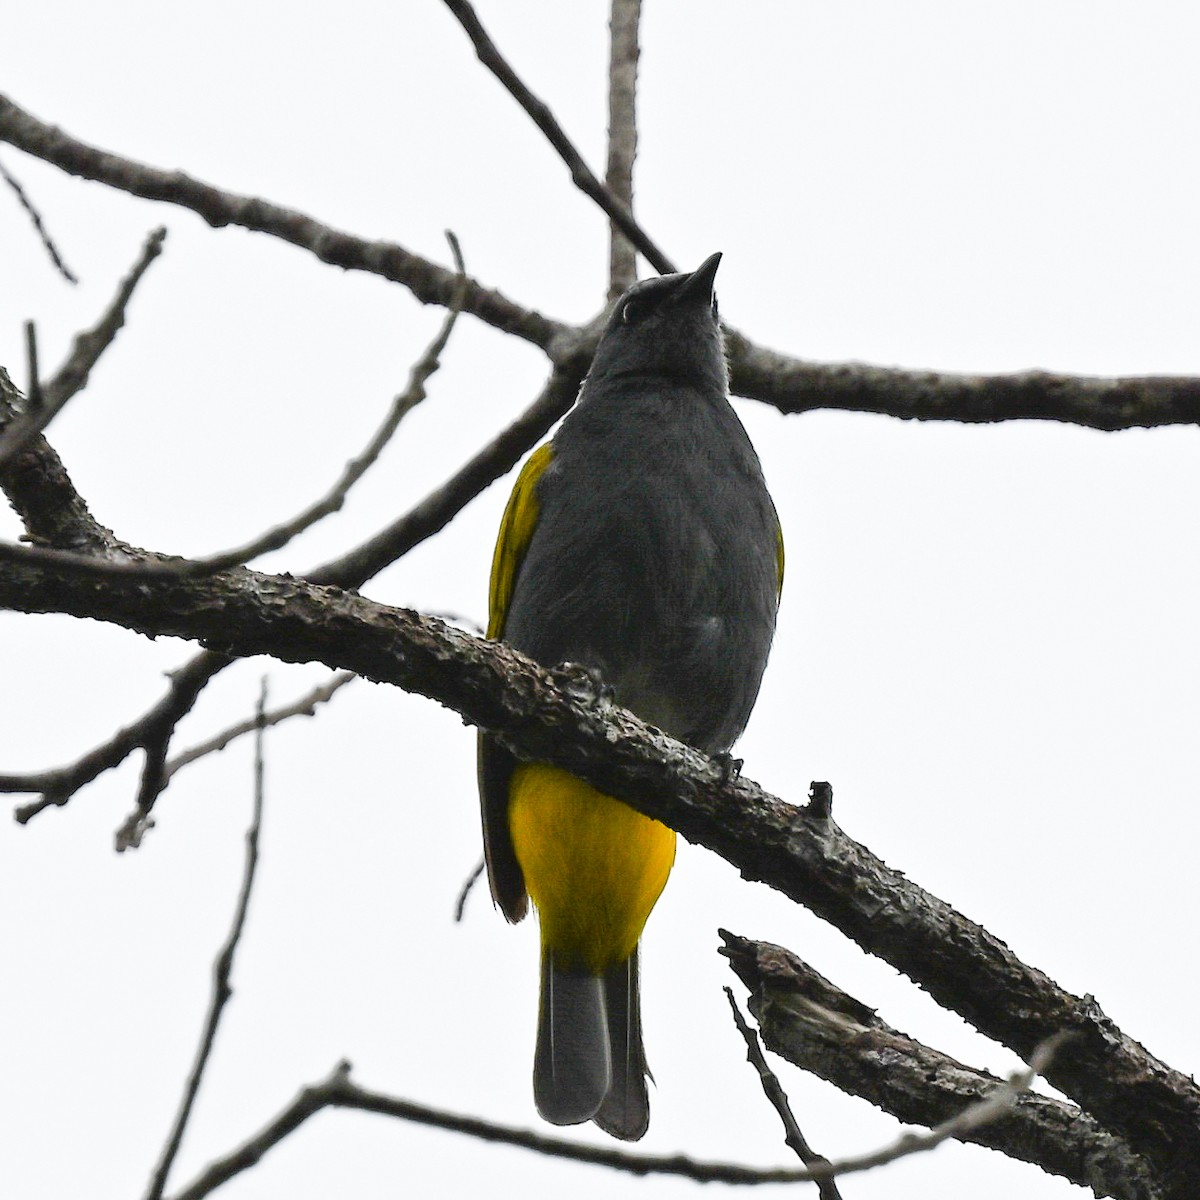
[988,641]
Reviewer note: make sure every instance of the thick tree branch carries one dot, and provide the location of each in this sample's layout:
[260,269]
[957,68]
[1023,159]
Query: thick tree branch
[556,717]
[623,25]
[814,1025]
[428,282]
[544,119]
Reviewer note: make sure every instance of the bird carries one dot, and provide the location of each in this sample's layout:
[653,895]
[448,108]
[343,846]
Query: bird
[641,544]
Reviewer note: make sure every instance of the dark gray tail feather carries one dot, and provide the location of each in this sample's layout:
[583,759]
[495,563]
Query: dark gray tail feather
[625,1112]
[572,1069]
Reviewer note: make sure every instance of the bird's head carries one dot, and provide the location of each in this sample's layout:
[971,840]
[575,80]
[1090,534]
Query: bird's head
[666,327]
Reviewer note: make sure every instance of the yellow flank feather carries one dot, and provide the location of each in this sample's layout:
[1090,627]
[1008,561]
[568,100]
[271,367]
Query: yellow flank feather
[593,866]
[516,529]
[779,556]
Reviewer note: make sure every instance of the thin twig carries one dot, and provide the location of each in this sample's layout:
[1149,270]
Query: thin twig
[73,374]
[57,786]
[306,706]
[34,375]
[622,135]
[437,509]
[222,968]
[402,404]
[543,118]
[338,1090]
[39,225]
[773,1090]
[461,903]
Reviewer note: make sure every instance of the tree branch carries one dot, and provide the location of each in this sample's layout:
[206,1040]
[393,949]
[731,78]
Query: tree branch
[436,510]
[555,717]
[807,1020]
[793,1137]
[543,118]
[72,376]
[339,1091]
[151,733]
[623,25]
[306,706]
[333,500]
[793,385]
[46,489]
[222,968]
[38,225]
[428,282]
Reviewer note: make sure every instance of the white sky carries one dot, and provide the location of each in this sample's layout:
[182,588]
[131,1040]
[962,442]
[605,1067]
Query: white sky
[988,639]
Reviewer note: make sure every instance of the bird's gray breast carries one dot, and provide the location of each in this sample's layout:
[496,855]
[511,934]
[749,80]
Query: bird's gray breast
[654,560]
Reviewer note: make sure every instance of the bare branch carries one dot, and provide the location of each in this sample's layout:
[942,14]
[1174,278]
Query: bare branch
[428,282]
[773,1090]
[72,376]
[622,135]
[811,1023]
[543,118]
[339,1091]
[155,727]
[33,374]
[789,384]
[970,1120]
[437,509]
[794,386]
[38,225]
[222,968]
[39,489]
[306,706]
[403,403]
[551,717]
[150,731]
[461,903]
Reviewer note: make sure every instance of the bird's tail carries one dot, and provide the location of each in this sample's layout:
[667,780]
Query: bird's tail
[589,1062]
[625,1112]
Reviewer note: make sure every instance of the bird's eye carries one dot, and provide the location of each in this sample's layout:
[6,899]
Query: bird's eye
[634,309]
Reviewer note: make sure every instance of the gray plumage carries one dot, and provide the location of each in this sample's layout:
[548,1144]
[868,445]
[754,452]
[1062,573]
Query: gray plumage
[655,560]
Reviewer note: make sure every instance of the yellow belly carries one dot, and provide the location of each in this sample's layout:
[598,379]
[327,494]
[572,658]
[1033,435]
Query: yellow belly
[593,866]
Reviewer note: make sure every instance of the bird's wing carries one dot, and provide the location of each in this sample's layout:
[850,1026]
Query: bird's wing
[495,763]
[516,531]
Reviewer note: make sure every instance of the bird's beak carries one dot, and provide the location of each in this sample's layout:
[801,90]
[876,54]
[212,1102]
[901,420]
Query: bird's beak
[698,286]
